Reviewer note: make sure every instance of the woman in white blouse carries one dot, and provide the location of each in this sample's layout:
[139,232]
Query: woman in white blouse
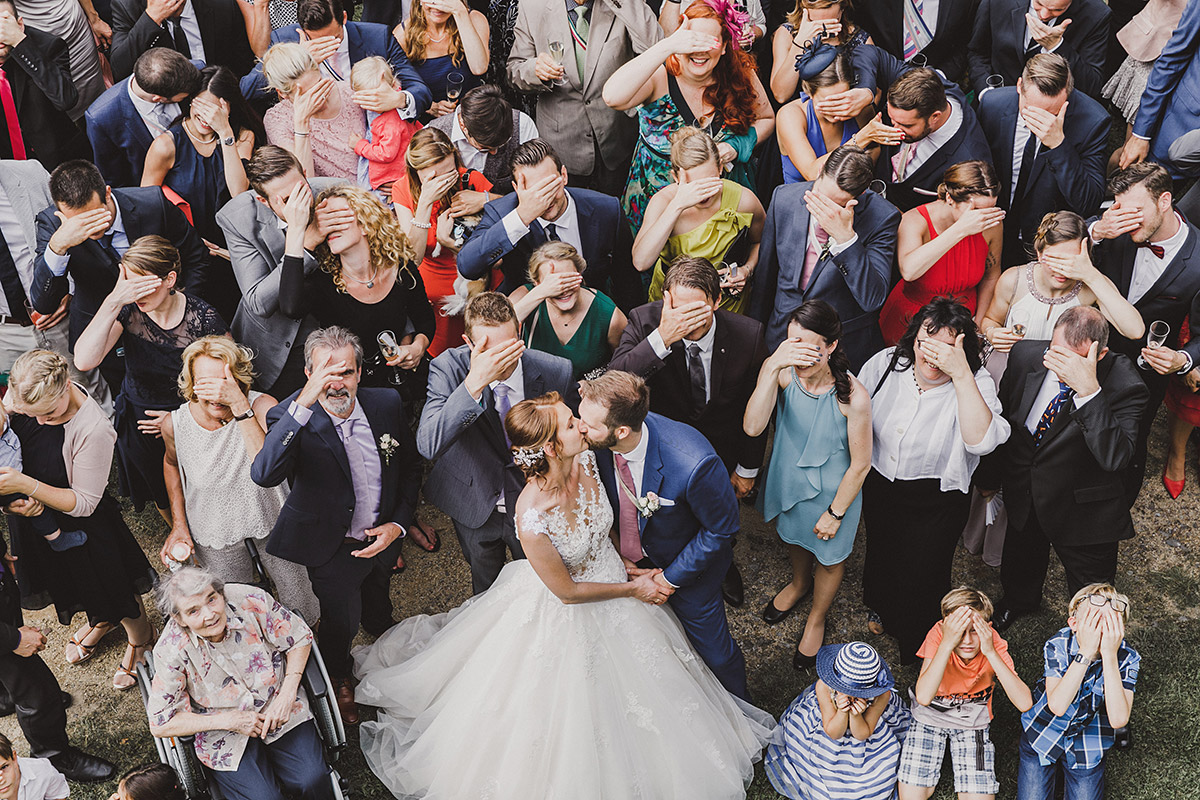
[935,414]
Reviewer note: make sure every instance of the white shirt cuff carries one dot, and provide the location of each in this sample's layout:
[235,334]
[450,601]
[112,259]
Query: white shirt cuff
[746,472]
[1188,366]
[56,263]
[300,413]
[836,248]
[1143,138]
[657,345]
[1091,235]
[409,109]
[1052,49]
[1080,401]
[513,226]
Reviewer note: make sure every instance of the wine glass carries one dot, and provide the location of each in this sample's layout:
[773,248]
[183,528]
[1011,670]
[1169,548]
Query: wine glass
[879,187]
[1018,321]
[995,81]
[454,86]
[919,60]
[557,52]
[390,349]
[1156,337]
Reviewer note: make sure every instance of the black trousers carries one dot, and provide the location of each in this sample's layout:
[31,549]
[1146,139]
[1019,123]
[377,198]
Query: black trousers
[32,686]
[1135,473]
[1027,557]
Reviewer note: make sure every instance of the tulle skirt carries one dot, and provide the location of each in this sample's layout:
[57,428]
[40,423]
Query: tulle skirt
[515,695]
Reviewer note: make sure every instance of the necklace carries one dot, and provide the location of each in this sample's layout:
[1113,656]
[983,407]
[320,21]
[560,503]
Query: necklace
[369,282]
[1031,283]
[190,133]
[429,36]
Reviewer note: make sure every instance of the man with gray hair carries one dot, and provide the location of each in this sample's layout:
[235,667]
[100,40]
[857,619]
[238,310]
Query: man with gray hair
[353,466]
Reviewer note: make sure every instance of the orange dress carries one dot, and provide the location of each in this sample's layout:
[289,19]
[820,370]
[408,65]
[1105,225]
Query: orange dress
[956,274]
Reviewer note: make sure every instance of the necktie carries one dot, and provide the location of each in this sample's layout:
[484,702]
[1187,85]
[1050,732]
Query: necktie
[579,35]
[900,161]
[917,35]
[180,38]
[10,281]
[696,377]
[1157,249]
[361,519]
[107,246]
[816,249]
[552,232]
[9,106]
[1051,413]
[1031,152]
[503,405]
[629,535]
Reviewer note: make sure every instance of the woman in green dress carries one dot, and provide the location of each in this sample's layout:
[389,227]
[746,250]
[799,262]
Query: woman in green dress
[701,215]
[561,316]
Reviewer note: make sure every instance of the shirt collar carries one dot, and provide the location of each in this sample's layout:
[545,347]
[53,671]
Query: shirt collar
[515,382]
[569,218]
[457,134]
[188,11]
[118,224]
[1176,240]
[356,413]
[706,341]
[638,454]
[233,622]
[938,138]
[142,105]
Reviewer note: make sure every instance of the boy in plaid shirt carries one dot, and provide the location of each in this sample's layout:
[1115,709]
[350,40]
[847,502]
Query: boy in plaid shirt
[1087,693]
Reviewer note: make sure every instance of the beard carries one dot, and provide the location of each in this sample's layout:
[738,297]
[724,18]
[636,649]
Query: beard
[604,444]
[339,401]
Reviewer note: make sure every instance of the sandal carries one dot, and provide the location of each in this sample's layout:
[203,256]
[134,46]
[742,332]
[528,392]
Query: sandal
[427,533]
[874,623]
[86,651]
[131,670]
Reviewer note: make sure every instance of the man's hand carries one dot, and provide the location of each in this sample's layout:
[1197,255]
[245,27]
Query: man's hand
[383,97]
[333,221]
[665,587]
[326,373]
[741,486]
[247,723]
[647,589]
[151,424]
[693,193]
[1117,221]
[32,641]
[383,535]
[161,10]
[677,321]
[546,70]
[1164,360]
[12,32]
[488,364]
[846,105]
[47,321]
[534,200]
[1047,127]
[1048,36]
[838,222]
[277,712]
[78,229]
[1135,150]
[322,47]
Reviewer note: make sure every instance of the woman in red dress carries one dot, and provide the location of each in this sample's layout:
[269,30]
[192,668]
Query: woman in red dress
[950,247]
[1183,403]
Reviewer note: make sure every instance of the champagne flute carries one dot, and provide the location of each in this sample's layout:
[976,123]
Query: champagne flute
[995,81]
[454,86]
[1018,321]
[1156,337]
[390,349]
[558,51]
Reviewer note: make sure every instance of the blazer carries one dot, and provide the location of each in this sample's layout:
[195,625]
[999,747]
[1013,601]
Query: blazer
[1172,95]
[1070,176]
[1144,36]
[363,39]
[26,184]
[693,536]
[39,73]
[997,44]
[222,31]
[855,281]
[94,272]
[885,21]
[920,186]
[738,353]
[574,118]
[464,439]
[255,242]
[604,234]
[1072,481]
[313,521]
[119,137]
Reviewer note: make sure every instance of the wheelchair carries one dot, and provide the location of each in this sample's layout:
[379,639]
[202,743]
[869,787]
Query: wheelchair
[179,752]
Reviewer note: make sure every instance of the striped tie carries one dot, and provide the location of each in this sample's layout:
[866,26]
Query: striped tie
[916,33]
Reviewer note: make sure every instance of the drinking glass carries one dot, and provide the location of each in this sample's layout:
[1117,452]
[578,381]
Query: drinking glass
[454,86]
[390,349]
[995,81]
[1018,321]
[878,187]
[919,60]
[557,52]
[1156,337]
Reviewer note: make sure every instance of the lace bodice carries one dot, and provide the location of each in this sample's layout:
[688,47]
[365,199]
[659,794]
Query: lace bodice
[581,534]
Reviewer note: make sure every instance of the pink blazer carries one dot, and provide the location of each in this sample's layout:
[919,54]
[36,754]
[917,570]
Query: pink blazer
[1147,33]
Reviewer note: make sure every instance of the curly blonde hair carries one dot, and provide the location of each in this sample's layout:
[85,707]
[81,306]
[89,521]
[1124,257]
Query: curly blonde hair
[416,31]
[385,238]
[238,358]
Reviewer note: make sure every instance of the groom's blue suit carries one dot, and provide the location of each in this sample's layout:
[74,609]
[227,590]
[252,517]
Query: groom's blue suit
[691,539]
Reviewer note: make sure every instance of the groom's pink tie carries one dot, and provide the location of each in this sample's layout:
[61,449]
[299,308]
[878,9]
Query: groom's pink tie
[631,537]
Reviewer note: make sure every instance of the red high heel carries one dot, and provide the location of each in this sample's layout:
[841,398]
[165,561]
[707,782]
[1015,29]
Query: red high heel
[1174,488]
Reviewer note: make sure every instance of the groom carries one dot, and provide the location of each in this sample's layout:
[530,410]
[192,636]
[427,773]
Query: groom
[688,512]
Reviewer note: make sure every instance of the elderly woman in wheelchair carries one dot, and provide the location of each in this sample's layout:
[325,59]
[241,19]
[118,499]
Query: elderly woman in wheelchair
[227,669]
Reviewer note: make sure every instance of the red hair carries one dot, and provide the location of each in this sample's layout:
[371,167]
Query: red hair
[732,92]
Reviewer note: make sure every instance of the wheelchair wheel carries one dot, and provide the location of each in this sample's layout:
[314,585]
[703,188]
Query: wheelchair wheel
[187,767]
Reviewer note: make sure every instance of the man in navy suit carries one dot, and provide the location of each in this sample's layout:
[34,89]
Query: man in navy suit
[352,463]
[947,24]
[675,510]
[208,31]
[543,208]
[1049,145]
[337,45]
[828,239]
[124,120]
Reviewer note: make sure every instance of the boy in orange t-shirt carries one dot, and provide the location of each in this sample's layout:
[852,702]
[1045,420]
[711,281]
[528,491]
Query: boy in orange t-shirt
[952,701]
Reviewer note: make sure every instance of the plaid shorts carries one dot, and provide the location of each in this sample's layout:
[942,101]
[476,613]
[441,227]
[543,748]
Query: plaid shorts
[971,752]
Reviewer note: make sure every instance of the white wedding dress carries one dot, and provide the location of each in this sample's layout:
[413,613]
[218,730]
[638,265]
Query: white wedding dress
[514,695]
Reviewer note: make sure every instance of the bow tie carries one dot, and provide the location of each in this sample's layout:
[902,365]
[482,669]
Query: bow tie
[1156,249]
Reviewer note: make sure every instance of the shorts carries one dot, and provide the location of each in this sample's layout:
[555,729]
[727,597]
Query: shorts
[971,752]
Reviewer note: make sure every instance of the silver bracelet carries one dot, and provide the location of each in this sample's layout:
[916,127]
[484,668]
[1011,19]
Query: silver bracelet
[298,133]
[422,225]
[36,485]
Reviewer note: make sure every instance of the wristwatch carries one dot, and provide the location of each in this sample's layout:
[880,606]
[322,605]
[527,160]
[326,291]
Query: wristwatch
[230,141]
[243,417]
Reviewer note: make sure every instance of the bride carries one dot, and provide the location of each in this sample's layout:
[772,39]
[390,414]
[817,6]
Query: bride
[566,678]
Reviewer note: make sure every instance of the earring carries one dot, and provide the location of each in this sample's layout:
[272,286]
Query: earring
[171,291]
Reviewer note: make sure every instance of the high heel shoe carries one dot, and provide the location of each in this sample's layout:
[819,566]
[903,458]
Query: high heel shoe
[801,661]
[773,615]
[1174,488]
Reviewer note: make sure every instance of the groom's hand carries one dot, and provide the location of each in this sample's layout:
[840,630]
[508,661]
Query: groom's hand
[661,581]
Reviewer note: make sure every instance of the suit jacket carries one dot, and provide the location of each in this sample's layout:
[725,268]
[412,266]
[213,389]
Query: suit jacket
[855,281]
[689,539]
[364,39]
[998,43]
[574,118]
[222,31]
[143,211]
[955,18]
[464,439]
[920,185]
[1070,176]
[603,232]
[119,137]
[1072,481]
[39,72]
[1172,95]
[26,184]
[313,521]
[255,242]
[738,353]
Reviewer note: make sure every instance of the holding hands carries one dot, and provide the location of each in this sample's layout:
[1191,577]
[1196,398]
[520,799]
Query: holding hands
[646,586]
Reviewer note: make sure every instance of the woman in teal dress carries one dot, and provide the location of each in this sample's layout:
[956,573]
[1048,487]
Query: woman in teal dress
[561,316]
[696,76]
[821,456]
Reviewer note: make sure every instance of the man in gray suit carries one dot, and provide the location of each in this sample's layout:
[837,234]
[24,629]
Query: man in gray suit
[471,387]
[24,191]
[255,225]
[594,141]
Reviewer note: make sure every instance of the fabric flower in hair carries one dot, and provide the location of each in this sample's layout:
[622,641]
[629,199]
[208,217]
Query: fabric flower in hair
[815,58]
[736,20]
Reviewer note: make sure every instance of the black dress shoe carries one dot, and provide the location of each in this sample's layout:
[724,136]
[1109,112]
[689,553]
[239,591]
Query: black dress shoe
[801,661]
[79,766]
[8,707]
[732,587]
[68,701]
[1004,617]
[771,613]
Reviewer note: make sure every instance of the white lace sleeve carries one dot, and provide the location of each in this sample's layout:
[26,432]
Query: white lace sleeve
[532,524]
[588,457]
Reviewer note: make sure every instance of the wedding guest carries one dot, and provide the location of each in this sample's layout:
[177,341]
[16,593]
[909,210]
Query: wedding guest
[153,321]
[214,33]
[263,19]
[1183,415]
[701,215]
[29,778]
[68,444]
[257,732]
[562,317]
[750,12]
[596,142]
[123,121]
[961,260]
[487,131]
[443,38]
[935,414]
[841,738]
[821,456]
[936,31]
[381,150]
[696,76]
[215,507]
[151,781]
[809,20]
[84,32]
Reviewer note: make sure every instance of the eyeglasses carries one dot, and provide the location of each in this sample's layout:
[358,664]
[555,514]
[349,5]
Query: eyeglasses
[1100,601]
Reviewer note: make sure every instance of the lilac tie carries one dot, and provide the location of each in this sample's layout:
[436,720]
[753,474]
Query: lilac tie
[503,404]
[628,530]
[365,473]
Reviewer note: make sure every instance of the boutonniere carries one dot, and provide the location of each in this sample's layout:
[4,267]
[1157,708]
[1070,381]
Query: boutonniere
[387,446]
[647,504]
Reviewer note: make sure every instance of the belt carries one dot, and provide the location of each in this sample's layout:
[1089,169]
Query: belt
[5,319]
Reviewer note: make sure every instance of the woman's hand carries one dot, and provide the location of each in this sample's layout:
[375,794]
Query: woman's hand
[727,154]
[306,104]
[1003,339]
[247,723]
[176,538]
[131,288]
[857,706]
[151,424]
[558,283]
[455,8]
[215,250]
[648,590]
[102,32]
[693,193]
[1078,267]
[279,710]
[23,508]
[978,220]
[810,29]
[224,390]
[467,202]
[951,359]
[731,282]
[878,132]
[443,230]
[409,356]
[793,353]
[685,41]
[13,481]
[433,189]
[215,115]
[827,526]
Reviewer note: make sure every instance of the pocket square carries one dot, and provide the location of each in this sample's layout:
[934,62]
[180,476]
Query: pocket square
[665,503]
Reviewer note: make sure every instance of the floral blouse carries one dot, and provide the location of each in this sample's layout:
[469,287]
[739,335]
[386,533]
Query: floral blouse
[240,673]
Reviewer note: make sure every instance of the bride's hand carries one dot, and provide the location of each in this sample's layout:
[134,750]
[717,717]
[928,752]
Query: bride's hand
[648,590]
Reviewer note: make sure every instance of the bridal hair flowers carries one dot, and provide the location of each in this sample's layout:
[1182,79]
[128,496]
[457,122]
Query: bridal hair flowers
[528,457]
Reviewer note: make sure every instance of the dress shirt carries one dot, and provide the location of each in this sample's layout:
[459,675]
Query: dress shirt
[516,393]
[120,242]
[155,116]
[636,459]
[1029,34]
[475,159]
[191,29]
[40,780]
[18,246]
[1045,395]
[835,247]
[925,148]
[929,15]
[566,226]
[917,434]
[1147,268]
[1020,139]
